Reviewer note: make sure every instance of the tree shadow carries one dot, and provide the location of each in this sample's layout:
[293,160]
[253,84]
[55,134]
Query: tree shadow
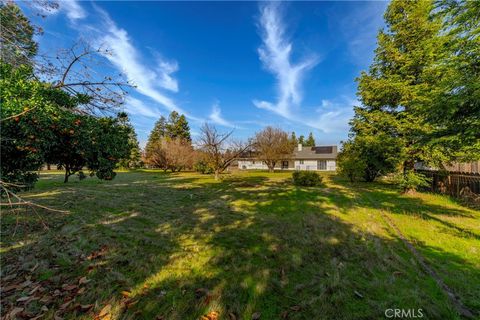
[184,245]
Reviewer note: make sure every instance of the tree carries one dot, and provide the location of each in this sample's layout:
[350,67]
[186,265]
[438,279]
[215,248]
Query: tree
[455,110]
[177,127]
[369,157]
[272,145]
[219,151]
[16,39]
[393,91]
[133,159]
[293,138]
[310,140]
[350,162]
[301,140]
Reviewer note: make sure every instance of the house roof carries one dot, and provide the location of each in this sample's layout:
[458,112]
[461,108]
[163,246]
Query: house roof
[318,152]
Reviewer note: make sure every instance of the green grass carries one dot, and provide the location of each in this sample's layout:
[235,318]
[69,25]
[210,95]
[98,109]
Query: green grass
[254,241]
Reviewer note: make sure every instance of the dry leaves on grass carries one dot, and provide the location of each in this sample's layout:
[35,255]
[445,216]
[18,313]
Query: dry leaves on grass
[212,315]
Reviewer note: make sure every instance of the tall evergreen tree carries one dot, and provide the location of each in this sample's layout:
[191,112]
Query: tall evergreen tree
[177,127]
[392,91]
[455,111]
[293,138]
[16,39]
[310,140]
[301,140]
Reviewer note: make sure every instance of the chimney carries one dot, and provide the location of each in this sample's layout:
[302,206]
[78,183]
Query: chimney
[299,147]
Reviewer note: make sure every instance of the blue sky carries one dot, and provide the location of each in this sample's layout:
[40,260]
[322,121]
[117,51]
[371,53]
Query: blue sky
[238,65]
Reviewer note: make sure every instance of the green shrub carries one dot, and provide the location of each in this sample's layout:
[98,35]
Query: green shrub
[411,181]
[203,167]
[306,178]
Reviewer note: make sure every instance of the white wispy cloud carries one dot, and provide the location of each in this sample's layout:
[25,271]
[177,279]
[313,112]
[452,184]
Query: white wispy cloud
[138,107]
[125,57]
[275,54]
[73,9]
[216,116]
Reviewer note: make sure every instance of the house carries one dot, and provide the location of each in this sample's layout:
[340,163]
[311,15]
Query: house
[319,158]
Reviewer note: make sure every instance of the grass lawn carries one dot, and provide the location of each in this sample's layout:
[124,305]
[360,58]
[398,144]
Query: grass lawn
[150,245]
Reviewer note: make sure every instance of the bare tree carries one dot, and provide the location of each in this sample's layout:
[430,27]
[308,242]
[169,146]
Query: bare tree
[171,154]
[272,145]
[219,149]
[81,71]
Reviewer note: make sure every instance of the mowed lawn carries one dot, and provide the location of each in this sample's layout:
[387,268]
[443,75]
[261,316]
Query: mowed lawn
[150,245]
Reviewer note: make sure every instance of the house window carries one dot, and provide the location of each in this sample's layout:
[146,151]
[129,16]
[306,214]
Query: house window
[301,161]
[321,165]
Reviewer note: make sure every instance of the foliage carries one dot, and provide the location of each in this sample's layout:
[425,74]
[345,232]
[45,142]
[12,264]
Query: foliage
[133,160]
[455,109]
[202,167]
[16,39]
[350,162]
[306,178]
[177,127]
[310,142]
[25,114]
[293,139]
[272,145]
[301,140]
[411,181]
[393,91]
[40,124]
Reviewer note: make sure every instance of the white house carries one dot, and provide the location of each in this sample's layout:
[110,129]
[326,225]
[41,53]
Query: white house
[319,158]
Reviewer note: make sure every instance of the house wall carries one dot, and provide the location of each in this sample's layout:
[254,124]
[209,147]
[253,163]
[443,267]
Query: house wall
[292,165]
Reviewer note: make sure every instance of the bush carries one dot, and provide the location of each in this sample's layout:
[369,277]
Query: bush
[306,178]
[203,167]
[411,181]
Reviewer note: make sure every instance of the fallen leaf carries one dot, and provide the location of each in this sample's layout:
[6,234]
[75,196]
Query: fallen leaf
[69,287]
[126,294]
[65,305]
[295,308]
[22,299]
[35,267]
[105,310]
[86,307]
[55,317]
[131,303]
[10,288]
[232,316]
[397,273]
[14,312]
[83,280]
[81,290]
[44,308]
[358,294]
[34,289]
[212,315]
[256,316]
[10,277]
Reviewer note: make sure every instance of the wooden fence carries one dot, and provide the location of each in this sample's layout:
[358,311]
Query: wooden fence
[457,184]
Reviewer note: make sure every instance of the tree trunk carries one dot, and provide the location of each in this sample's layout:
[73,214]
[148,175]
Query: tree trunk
[48,166]
[67,174]
[217,174]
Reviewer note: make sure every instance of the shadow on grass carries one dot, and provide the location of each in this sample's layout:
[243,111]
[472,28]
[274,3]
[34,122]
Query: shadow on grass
[187,245]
